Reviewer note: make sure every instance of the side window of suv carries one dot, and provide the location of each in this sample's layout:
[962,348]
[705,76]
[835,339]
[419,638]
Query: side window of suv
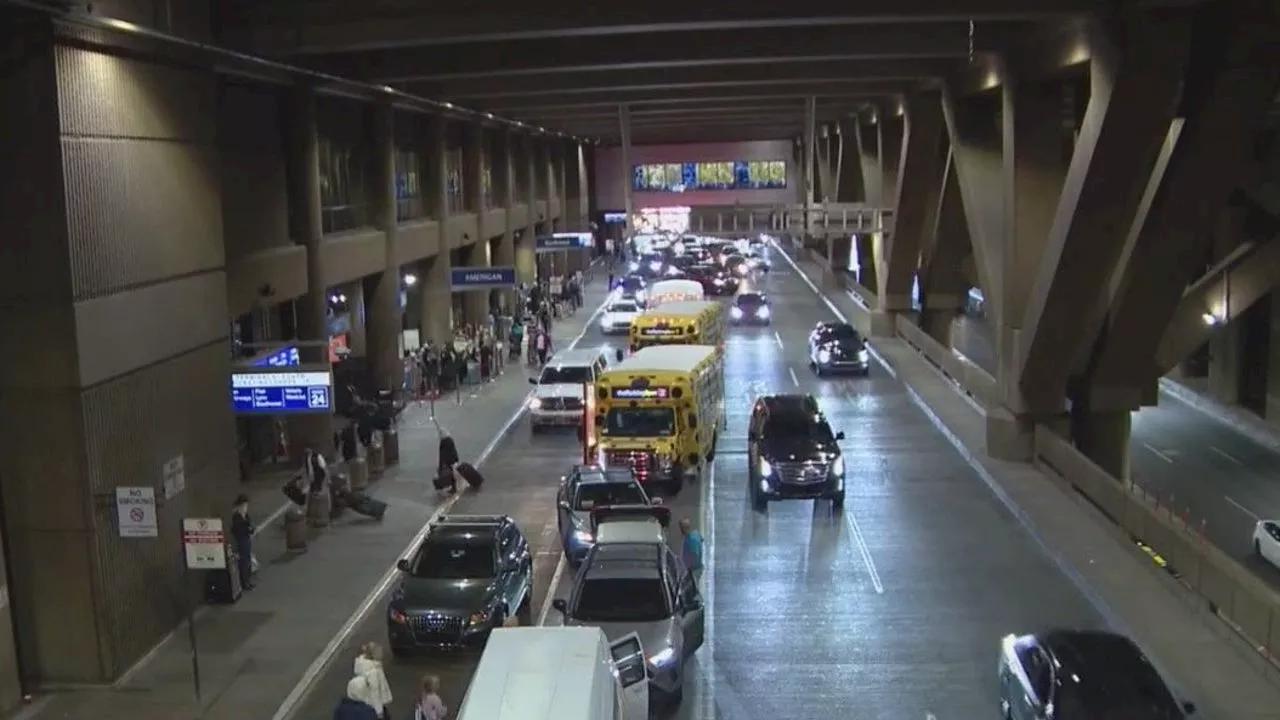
[673,575]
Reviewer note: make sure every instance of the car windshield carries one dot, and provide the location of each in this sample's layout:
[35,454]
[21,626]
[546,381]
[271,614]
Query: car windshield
[750,300]
[838,332]
[565,374]
[622,600]
[623,308]
[640,422]
[454,561]
[594,495]
[632,283]
[799,427]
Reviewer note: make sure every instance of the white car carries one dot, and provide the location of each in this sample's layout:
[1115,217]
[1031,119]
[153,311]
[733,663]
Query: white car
[617,318]
[1266,541]
[560,390]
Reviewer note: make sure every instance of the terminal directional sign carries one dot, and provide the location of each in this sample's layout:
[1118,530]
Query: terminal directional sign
[275,393]
[482,278]
[557,242]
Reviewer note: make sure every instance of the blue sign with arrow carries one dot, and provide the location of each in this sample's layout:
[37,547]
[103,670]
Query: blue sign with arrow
[558,242]
[481,278]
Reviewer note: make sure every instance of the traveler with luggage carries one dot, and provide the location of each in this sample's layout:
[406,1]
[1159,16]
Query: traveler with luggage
[242,540]
[447,460]
[368,665]
[357,704]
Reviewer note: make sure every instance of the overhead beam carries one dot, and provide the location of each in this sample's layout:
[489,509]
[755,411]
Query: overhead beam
[707,135]
[700,95]
[677,50]
[779,79]
[331,28]
[756,73]
[1222,295]
[1040,52]
[829,109]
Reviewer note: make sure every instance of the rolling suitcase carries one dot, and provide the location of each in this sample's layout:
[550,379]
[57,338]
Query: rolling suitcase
[471,475]
[364,505]
[444,479]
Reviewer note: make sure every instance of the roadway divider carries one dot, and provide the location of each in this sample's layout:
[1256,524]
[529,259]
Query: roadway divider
[1174,541]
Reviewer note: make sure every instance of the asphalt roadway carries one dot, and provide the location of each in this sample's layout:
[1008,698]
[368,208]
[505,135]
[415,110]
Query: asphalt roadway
[891,609]
[1217,478]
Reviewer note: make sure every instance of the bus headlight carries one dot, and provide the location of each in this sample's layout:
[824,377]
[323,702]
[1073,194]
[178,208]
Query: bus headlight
[735,313]
[634,266]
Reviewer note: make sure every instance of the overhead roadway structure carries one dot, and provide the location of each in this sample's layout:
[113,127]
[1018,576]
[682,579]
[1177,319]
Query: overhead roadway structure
[570,67]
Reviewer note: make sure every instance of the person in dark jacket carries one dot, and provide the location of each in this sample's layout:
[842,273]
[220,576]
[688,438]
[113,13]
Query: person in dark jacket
[449,459]
[356,705]
[242,539]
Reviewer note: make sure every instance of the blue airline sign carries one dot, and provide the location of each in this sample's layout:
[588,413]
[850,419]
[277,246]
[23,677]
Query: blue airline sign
[482,278]
[557,242]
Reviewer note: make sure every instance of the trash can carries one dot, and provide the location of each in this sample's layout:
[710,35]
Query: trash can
[358,473]
[319,505]
[391,447]
[295,529]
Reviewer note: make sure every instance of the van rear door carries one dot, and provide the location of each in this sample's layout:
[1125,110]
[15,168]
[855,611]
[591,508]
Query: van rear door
[629,661]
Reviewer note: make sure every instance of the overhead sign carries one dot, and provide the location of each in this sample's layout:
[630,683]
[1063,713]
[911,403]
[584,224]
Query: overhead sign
[557,242]
[175,476]
[482,278]
[284,357]
[204,543]
[276,392]
[136,512]
[649,393]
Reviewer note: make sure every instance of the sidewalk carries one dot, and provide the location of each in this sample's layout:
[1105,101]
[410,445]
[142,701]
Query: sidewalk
[1201,657]
[254,652]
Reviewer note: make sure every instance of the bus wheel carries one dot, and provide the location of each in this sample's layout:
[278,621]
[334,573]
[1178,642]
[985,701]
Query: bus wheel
[711,454]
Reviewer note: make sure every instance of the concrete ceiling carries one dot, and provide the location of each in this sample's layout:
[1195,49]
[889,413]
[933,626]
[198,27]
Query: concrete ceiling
[687,71]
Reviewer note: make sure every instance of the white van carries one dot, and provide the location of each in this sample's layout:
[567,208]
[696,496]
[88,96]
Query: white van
[558,673]
[560,389]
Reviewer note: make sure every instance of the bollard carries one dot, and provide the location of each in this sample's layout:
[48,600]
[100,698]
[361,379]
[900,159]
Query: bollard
[295,529]
[391,447]
[377,460]
[358,474]
[319,505]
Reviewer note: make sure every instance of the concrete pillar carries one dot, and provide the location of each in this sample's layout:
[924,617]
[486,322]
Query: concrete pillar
[475,302]
[943,284]
[867,148]
[526,258]
[357,313]
[436,296]
[916,199]
[302,158]
[1103,437]
[864,244]
[381,292]
[891,129]
[505,178]
[628,177]
[839,249]
[809,153]
[849,182]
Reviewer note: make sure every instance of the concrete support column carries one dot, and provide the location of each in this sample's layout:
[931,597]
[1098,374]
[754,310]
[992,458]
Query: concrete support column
[357,313]
[866,138]
[628,178]
[864,246]
[943,284]
[839,249]
[916,200]
[1104,438]
[826,172]
[849,183]
[809,153]
[436,295]
[506,176]
[526,248]
[475,302]
[302,158]
[381,292]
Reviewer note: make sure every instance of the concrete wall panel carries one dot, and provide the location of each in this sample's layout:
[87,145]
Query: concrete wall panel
[519,215]
[417,240]
[495,222]
[282,269]
[352,255]
[118,333]
[611,176]
[462,230]
[139,212]
[255,211]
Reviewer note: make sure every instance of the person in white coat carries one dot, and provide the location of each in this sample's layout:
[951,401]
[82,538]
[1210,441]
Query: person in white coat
[368,665]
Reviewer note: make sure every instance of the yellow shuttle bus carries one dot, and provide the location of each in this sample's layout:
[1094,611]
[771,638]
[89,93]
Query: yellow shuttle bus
[684,322]
[659,412]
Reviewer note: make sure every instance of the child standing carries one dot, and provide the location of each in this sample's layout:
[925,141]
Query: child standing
[430,706]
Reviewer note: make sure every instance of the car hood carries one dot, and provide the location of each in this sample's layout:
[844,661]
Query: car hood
[618,317]
[463,596]
[841,348]
[654,636]
[559,390]
[798,450]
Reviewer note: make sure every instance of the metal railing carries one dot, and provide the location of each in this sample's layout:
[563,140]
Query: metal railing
[829,219]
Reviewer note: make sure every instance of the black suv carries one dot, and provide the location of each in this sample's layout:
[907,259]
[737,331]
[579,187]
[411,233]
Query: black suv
[792,453]
[469,574]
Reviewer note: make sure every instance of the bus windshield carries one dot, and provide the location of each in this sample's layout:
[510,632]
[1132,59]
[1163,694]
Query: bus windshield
[640,422]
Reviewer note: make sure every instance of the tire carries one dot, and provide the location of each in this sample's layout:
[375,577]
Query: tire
[524,615]
[759,503]
[837,502]
[677,697]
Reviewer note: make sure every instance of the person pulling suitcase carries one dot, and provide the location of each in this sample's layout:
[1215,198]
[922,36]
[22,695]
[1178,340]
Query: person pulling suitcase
[446,479]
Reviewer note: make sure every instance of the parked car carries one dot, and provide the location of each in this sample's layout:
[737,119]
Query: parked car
[584,489]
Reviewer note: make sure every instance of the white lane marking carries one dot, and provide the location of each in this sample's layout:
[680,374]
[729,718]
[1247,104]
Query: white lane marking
[856,531]
[778,339]
[1227,455]
[1241,508]
[708,513]
[549,595]
[293,701]
[1157,453]
[794,380]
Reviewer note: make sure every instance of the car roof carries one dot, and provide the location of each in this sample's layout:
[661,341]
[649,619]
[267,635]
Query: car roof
[574,358]
[467,528]
[596,475]
[625,557]
[791,404]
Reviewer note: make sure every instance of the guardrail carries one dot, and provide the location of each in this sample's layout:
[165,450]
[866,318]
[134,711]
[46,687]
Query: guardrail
[843,219]
[1244,602]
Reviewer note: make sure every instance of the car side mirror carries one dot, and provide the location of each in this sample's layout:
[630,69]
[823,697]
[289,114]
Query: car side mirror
[655,501]
[840,436]
[564,504]
[1189,708]
[561,606]
[402,565]
[533,381]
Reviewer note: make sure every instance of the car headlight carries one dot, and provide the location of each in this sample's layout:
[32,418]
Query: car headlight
[583,536]
[606,322]
[741,269]
[634,266]
[480,617]
[662,657]
[837,467]
[766,468]
[535,404]
[719,282]
[862,355]
[824,356]
[735,313]
[762,313]
[655,266]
